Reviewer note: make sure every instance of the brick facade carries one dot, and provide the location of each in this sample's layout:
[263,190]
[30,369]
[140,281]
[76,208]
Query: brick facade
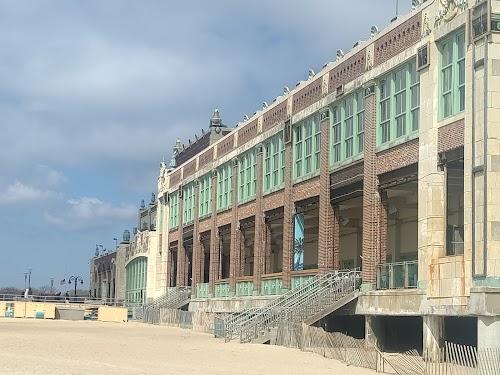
[371,199]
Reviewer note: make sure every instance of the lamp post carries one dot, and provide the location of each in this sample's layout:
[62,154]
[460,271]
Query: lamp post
[116,243]
[75,280]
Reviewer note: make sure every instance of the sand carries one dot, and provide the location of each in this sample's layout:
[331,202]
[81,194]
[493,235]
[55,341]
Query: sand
[39,347]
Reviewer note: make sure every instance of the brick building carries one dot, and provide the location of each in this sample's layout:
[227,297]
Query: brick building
[386,160]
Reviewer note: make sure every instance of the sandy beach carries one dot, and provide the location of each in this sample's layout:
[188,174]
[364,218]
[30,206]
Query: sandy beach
[42,347]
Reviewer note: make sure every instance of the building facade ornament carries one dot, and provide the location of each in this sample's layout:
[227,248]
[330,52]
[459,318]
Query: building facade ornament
[449,9]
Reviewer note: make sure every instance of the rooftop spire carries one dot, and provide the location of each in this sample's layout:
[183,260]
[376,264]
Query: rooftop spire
[215,121]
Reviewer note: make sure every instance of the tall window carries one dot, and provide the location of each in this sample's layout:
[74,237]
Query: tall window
[452,75]
[205,195]
[247,180]
[307,147]
[274,162]
[455,207]
[224,191]
[360,121]
[399,103]
[174,210]
[188,203]
[348,128]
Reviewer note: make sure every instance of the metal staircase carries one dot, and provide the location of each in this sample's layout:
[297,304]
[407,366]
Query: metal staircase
[308,303]
[175,298]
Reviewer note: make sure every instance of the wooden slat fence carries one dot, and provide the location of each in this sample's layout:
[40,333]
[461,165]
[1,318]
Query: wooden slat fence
[355,352]
[452,359]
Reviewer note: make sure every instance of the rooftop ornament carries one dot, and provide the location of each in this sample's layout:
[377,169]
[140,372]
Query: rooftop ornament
[374,30]
[311,73]
[340,54]
[286,90]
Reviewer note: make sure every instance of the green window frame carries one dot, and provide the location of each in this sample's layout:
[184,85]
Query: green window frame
[307,141]
[247,181]
[188,203]
[398,103]
[347,128]
[174,210]
[274,163]
[452,74]
[225,182]
[205,206]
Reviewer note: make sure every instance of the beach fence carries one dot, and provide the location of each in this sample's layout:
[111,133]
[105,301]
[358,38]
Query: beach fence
[452,359]
[196,320]
[334,345]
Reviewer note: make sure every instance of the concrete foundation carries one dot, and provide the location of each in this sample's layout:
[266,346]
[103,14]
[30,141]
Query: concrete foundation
[432,334]
[488,332]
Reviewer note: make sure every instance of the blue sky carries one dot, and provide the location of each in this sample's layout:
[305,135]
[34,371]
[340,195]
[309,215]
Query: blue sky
[94,93]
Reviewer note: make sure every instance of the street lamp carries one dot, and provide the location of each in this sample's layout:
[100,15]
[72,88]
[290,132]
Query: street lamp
[75,280]
[116,242]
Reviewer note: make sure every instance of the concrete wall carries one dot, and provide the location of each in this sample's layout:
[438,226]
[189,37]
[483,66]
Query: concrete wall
[112,314]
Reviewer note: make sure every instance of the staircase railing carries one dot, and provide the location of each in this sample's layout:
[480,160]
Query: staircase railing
[297,305]
[232,326]
[173,299]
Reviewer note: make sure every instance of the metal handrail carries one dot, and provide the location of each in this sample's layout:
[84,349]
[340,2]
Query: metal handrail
[289,311]
[172,299]
[306,300]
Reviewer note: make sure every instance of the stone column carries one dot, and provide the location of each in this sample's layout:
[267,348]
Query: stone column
[374,331]
[197,248]
[432,334]
[214,238]
[258,249]
[288,210]
[371,198]
[234,253]
[325,234]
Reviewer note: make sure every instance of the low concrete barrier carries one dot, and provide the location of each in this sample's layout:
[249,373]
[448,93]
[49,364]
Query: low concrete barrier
[112,314]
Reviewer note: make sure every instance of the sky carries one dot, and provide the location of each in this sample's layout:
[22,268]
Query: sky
[94,93]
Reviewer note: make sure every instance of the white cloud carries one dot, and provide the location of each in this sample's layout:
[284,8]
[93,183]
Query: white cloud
[22,193]
[89,212]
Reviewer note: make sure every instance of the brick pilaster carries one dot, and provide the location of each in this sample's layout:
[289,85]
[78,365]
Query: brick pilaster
[181,251]
[371,198]
[383,227]
[196,271]
[267,247]
[214,238]
[234,249]
[288,211]
[258,251]
[202,262]
[325,245]
[336,237]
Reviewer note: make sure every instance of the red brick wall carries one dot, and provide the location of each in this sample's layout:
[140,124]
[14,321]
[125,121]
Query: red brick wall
[273,200]
[247,133]
[306,189]
[397,157]
[308,95]
[189,169]
[347,71]
[398,40]
[275,115]
[206,157]
[451,136]
[225,146]
[175,179]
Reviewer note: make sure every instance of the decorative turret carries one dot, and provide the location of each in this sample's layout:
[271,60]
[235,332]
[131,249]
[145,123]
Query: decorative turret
[215,121]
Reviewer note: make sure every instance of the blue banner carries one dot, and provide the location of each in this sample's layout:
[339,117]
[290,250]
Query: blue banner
[298,242]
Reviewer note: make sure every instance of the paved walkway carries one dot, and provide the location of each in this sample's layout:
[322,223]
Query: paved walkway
[38,347]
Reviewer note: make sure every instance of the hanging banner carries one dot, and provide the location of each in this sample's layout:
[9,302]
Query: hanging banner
[298,242]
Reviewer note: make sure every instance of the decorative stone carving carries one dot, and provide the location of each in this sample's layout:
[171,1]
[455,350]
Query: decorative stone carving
[449,10]
[426,25]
